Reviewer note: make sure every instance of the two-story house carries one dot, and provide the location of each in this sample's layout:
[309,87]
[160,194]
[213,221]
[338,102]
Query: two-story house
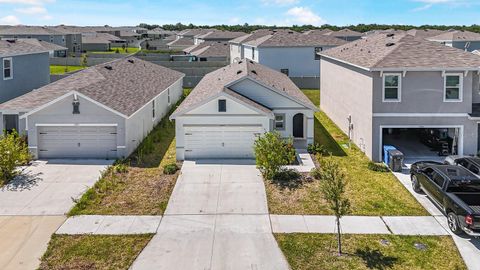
[292,53]
[72,41]
[464,40]
[395,89]
[23,67]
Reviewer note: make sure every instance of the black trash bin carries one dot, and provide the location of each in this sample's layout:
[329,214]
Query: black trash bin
[395,161]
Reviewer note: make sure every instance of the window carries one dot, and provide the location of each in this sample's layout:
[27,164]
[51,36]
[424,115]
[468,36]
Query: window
[51,39]
[253,53]
[438,179]
[7,69]
[280,121]
[453,87]
[222,105]
[76,105]
[318,50]
[392,88]
[284,71]
[474,169]
[168,96]
[153,109]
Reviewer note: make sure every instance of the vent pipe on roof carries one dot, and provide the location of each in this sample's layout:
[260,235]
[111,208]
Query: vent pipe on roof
[238,72]
[109,67]
[390,44]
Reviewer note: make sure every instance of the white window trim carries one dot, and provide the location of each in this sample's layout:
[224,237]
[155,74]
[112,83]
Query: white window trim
[275,121]
[399,99]
[11,68]
[460,94]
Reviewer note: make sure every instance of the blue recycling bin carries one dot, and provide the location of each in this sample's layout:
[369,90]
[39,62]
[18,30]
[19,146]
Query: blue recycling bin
[386,149]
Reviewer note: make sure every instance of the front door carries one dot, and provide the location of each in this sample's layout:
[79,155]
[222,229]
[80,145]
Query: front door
[298,125]
[10,122]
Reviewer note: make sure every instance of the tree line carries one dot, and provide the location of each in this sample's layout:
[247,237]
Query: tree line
[359,27]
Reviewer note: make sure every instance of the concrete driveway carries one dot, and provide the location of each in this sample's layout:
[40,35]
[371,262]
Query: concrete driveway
[217,218]
[469,247]
[33,205]
[49,187]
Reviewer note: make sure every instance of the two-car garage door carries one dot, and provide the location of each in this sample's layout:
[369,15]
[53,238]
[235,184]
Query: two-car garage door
[77,142]
[220,141]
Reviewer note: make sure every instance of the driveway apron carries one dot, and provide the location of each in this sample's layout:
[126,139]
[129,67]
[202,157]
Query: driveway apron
[217,218]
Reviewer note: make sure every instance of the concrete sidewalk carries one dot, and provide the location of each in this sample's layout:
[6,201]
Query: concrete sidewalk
[358,225]
[110,225]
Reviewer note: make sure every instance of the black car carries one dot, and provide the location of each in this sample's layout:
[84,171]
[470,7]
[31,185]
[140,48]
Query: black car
[454,189]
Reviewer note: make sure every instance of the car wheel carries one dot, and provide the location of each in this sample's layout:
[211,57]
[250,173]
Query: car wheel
[452,221]
[415,184]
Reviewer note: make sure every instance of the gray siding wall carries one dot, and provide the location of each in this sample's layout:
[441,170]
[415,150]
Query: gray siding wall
[345,91]
[30,71]
[96,47]
[422,92]
[61,113]
[474,45]
[141,123]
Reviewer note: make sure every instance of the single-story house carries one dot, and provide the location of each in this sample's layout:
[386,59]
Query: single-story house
[217,35]
[104,111]
[464,40]
[345,34]
[209,51]
[100,42]
[53,49]
[232,106]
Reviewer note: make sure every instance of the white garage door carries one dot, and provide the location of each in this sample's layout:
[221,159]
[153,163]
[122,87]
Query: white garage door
[220,141]
[77,142]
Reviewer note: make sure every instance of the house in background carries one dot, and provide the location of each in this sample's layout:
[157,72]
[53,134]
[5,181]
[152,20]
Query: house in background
[464,40]
[185,38]
[65,38]
[209,51]
[104,111]
[159,33]
[400,90]
[217,35]
[345,34]
[230,107]
[23,67]
[237,44]
[424,33]
[292,53]
[101,42]
[54,50]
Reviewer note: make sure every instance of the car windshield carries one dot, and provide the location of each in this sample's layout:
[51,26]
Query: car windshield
[464,186]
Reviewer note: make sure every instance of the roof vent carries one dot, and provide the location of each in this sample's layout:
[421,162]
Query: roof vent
[390,44]
[390,35]
[109,67]
[240,61]
[11,40]
[251,62]
[254,72]
[238,72]
[131,61]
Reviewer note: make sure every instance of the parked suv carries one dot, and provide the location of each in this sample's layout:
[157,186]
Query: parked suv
[470,163]
[454,189]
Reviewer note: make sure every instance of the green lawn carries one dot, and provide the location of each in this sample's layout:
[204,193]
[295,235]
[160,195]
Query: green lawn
[144,189]
[120,50]
[59,70]
[318,251]
[313,95]
[370,193]
[93,251]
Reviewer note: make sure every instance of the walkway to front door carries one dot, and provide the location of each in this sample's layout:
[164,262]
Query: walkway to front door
[217,218]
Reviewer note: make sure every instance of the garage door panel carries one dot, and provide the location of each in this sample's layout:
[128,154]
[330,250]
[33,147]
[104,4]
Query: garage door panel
[77,142]
[220,141]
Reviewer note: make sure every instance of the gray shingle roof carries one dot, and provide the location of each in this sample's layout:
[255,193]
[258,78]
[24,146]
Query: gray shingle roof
[215,82]
[125,88]
[181,42]
[457,36]
[424,33]
[194,32]
[43,44]
[30,30]
[294,39]
[402,51]
[99,38]
[220,35]
[209,49]
[344,33]
[17,47]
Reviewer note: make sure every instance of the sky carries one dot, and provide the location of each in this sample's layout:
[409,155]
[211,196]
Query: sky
[267,12]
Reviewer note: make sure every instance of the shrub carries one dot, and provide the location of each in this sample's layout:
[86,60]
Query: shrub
[171,168]
[13,153]
[316,173]
[316,148]
[377,167]
[272,152]
[120,167]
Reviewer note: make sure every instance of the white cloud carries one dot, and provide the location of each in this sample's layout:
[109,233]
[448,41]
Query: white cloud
[427,4]
[278,2]
[234,20]
[304,15]
[32,10]
[47,17]
[10,20]
[27,2]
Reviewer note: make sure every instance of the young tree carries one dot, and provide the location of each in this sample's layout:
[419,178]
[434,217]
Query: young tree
[13,153]
[333,189]
[272,152]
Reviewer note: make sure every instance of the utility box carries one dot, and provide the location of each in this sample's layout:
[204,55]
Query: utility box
[395,160]
[387,148]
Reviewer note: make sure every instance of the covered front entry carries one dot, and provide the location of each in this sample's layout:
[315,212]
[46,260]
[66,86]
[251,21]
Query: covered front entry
[220,141]
[96,142]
